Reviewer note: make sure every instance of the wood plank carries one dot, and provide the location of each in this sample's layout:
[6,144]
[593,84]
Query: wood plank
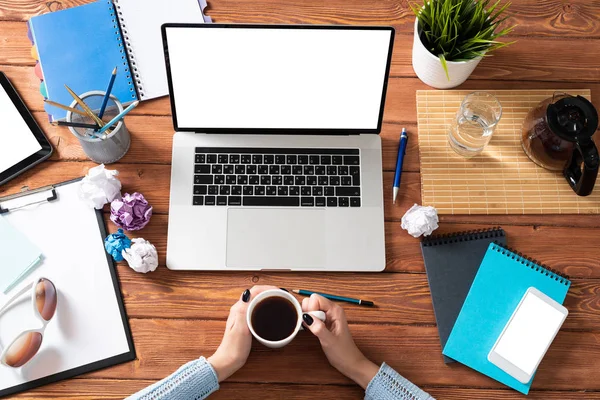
[400,106]
[28,86]
[577,18]
[154,181]
[113,389]
[401,299]
[403,253]
[525,60]
[22,10]
[414,351]
[152,142]
[486,394]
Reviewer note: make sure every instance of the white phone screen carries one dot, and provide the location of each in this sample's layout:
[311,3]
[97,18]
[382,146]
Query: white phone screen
[529,333]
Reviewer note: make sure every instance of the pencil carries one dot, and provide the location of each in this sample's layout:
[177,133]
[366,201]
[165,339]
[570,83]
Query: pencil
[75,124]
[108,90]
[118,117]
[85,107]
[334,297]
[66,108]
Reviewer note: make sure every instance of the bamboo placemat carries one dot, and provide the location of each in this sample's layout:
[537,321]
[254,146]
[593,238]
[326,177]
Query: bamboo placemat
[501,180]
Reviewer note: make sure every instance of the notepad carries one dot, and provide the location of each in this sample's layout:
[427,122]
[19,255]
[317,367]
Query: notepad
[503,278]
[18,256]
[80,47]
[451,262]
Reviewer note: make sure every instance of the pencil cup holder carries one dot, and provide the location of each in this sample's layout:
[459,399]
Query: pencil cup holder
[104,148]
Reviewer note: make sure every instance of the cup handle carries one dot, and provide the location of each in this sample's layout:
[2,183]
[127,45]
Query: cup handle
[317,314]
[581,179]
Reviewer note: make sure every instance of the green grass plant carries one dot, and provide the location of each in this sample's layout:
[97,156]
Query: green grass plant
[461,30]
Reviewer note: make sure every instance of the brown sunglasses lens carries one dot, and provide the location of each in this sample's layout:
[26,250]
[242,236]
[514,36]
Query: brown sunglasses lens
[23,349]
[45,298]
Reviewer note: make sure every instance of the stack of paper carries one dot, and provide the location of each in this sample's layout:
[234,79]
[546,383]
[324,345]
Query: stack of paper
[18,256]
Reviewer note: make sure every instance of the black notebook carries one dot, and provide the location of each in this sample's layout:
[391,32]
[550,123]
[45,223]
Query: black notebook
[451,262]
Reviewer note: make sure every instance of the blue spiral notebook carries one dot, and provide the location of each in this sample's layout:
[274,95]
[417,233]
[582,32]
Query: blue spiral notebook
[80,46]
[503,278]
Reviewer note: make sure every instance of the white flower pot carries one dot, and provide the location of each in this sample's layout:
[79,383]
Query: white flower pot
[429,68]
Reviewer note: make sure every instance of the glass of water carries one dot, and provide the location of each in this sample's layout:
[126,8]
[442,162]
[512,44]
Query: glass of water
[474,124]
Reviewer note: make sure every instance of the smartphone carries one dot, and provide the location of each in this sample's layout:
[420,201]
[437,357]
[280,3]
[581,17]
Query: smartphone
[526,337]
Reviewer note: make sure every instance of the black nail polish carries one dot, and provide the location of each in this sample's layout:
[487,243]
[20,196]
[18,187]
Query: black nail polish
[308,320]
[246,296]
[284,289]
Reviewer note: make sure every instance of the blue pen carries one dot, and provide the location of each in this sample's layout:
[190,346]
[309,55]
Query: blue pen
[399,162]
[107,94]
[117,118]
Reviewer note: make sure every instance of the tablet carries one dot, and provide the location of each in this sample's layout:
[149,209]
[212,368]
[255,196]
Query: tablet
[22,141]
[527,335]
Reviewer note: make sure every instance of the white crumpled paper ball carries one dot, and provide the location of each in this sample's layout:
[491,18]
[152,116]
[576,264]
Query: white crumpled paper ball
[99,187]
[420,220]
[141,256]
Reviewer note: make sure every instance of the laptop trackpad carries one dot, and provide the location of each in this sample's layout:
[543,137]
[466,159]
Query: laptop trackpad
[276,238]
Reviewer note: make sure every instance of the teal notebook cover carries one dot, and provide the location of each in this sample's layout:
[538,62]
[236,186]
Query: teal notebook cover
[18,256]
[501,282]
[80,47]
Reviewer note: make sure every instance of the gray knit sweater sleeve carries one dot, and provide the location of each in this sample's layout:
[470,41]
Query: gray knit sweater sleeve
[390,385]
[194,380]
[197,380]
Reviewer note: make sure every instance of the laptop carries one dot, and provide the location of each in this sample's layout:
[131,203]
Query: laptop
[276,154]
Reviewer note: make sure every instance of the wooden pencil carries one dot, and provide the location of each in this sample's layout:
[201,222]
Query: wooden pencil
[85,107]
[66,108]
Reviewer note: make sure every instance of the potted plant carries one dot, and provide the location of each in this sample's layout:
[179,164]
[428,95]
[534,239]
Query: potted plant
[452,36]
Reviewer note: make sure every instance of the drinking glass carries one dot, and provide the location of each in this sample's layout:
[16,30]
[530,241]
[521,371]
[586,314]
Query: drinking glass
[474,124]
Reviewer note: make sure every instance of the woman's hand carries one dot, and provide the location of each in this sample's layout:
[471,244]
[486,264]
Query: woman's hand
[336,340]
[237,340]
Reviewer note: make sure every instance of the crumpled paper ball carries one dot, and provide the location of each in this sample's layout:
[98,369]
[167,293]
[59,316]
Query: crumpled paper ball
[99,187]
[132,212]
[141,256]
[115,243]
[420,220]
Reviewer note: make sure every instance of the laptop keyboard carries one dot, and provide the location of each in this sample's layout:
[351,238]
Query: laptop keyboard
[273,177]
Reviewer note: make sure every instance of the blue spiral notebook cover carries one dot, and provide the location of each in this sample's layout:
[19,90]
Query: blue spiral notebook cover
[503,278]
[79,47]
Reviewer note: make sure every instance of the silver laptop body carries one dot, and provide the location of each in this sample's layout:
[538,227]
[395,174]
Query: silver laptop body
[277,155]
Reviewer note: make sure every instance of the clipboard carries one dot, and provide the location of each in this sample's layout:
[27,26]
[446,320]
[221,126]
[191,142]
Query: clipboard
[90,330]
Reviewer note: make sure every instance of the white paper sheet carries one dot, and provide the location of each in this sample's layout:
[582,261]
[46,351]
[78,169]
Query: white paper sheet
[87,326]
[143,19]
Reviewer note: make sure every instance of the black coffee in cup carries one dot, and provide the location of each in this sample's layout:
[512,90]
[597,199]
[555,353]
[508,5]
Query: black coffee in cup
[274,318]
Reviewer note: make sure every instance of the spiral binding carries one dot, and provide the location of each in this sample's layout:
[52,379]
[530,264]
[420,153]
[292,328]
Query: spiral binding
[464,236]
[531,263]
[127,51]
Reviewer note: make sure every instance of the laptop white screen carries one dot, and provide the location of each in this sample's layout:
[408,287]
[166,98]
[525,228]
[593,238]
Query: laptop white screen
[278,78]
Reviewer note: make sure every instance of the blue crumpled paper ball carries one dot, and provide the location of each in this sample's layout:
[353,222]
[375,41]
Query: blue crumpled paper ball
[115,243]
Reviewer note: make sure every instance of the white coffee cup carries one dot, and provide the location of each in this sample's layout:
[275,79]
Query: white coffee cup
[279,293]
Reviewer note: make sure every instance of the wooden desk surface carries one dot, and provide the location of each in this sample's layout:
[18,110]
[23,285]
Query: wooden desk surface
[176,317]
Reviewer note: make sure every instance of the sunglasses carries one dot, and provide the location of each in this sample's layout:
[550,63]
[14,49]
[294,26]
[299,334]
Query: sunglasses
[27,344]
